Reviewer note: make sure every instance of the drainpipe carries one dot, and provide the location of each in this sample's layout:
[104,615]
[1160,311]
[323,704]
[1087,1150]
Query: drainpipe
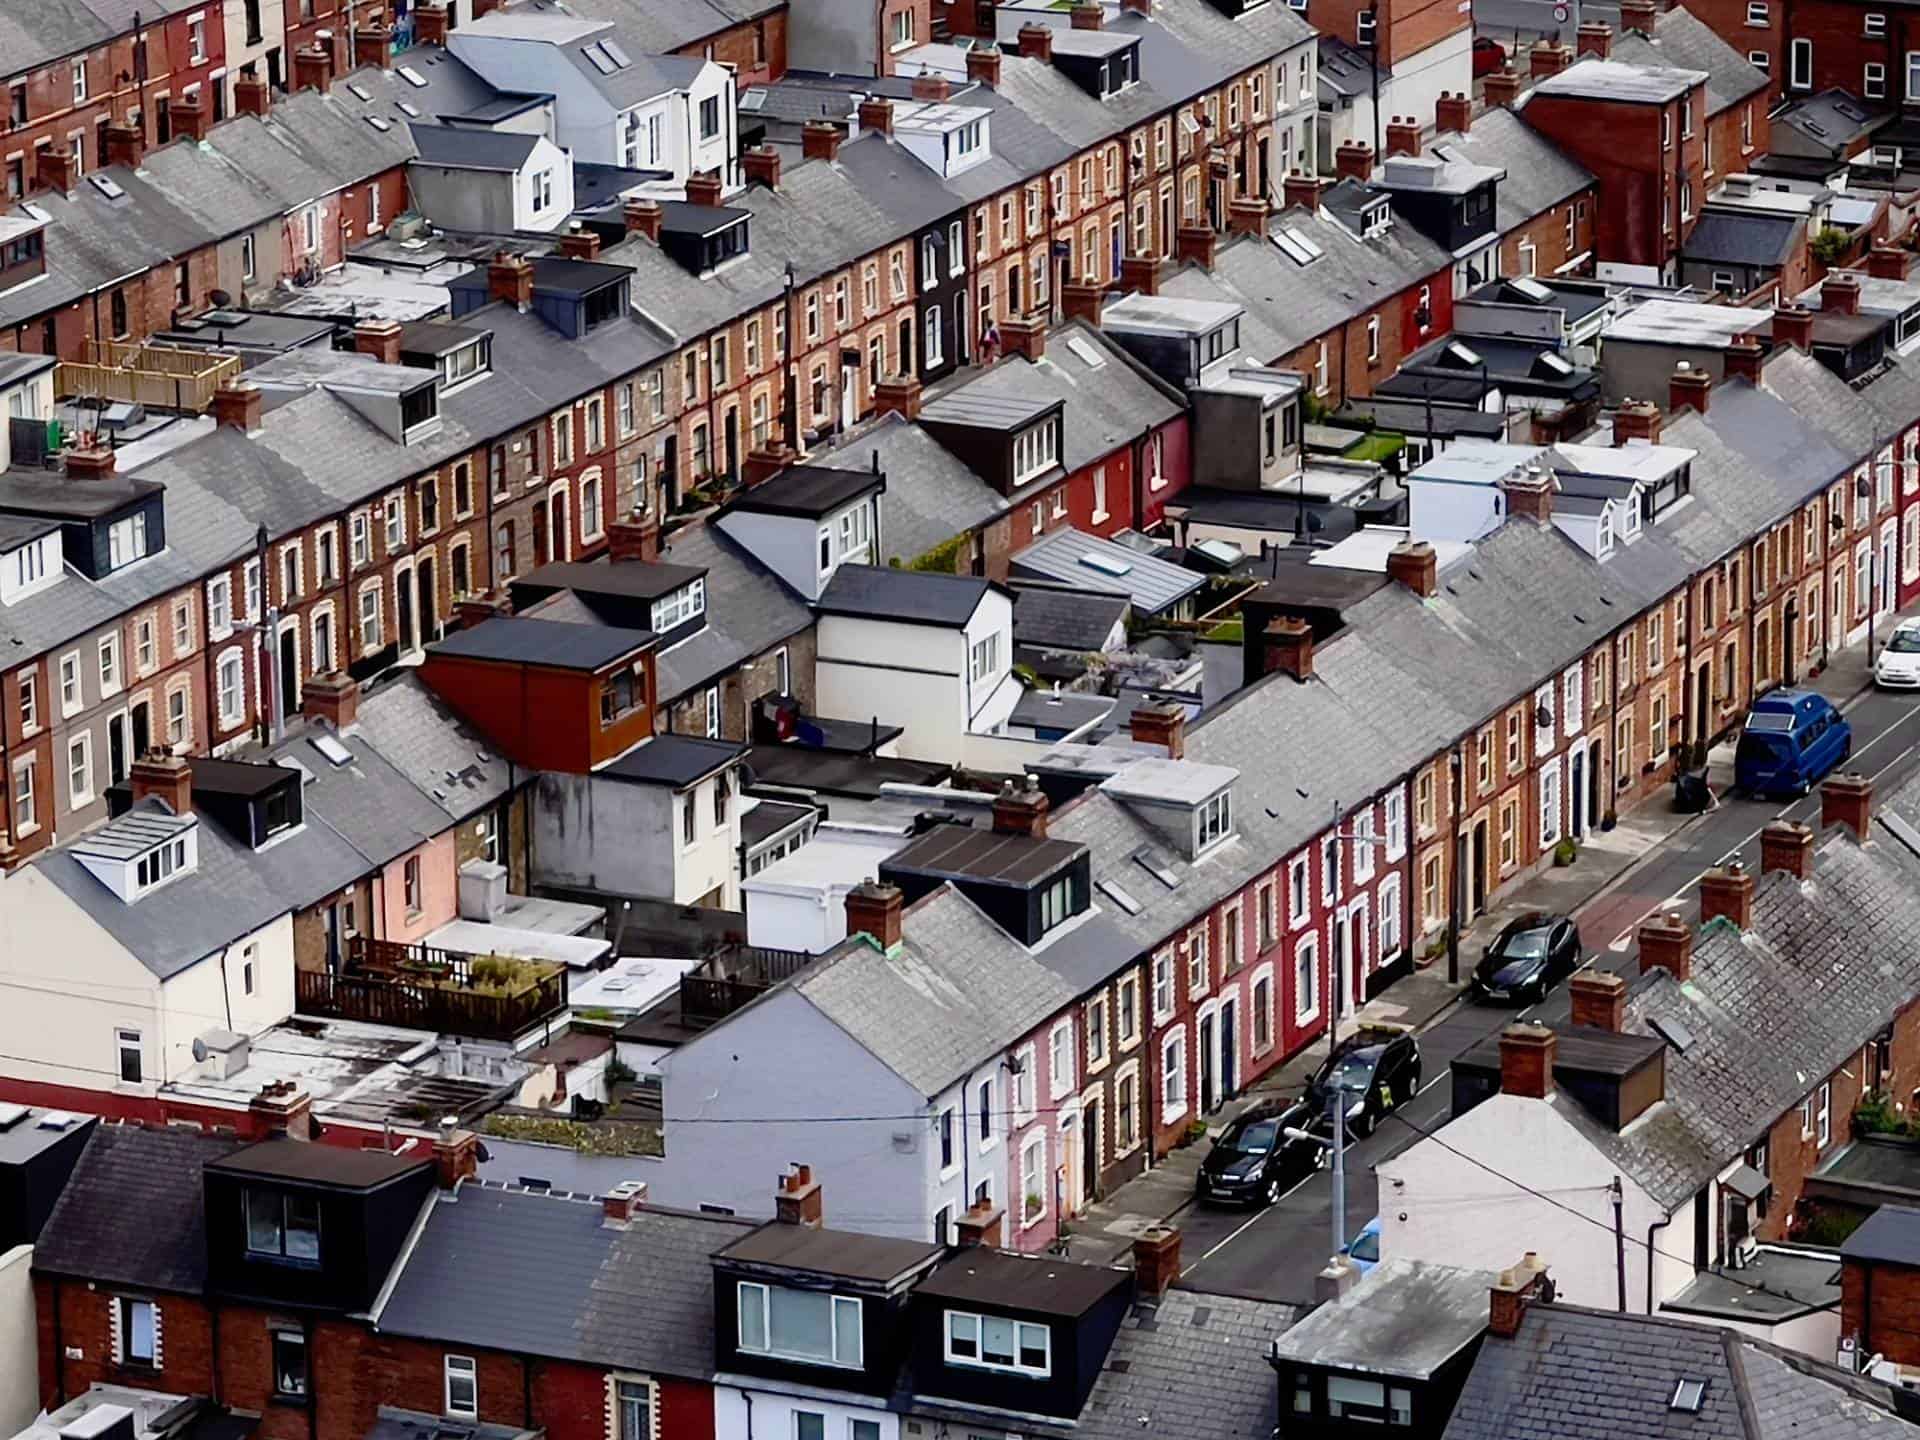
[1651,1252]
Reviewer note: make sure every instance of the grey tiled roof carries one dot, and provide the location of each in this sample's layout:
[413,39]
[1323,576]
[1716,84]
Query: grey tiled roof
[1578,1374]
[1194,1366]
[432,747]
[956,992]
[128,1172]
[661,25]
[639,1298]
[232,892]
[1064,617]
[749,611]
[1681,38]
[1741,238]
[1540,175]
[366,802]
[930,496]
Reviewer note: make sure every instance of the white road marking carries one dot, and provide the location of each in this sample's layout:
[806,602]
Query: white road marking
[1244,1226]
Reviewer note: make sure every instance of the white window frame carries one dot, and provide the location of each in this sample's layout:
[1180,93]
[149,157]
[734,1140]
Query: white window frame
[836,1312]
[978,1360]
[460,1371]
[1060,1078]
[1174,1101]
[1800,64]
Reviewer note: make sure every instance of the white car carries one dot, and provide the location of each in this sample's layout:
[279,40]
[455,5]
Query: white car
[1897,667]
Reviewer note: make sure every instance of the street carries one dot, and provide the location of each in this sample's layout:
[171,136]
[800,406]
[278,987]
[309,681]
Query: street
[1274,1254]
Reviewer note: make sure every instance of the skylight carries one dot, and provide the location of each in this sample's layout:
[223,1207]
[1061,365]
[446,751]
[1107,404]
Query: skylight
[1105,564]
[1297,247]
[106,186]
[359,92]
[412,112]
[380,123]
[1465,354]
[1554,363]
[599,59]
[330,747]
[412,76]
[1688,1395]
[11,1115]
[1154,861]
[1113,891]
[616,54]
[1532,289]
[1089,356]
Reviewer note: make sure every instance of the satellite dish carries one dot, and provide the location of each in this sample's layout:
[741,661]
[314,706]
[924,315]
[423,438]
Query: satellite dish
[200,1051]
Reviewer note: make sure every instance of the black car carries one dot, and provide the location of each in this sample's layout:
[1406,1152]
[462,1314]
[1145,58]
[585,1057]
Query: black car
[1254,1161]
[1532,955]
[1378,1069]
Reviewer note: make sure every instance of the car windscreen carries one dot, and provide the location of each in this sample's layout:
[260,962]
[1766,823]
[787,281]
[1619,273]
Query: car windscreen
[1253,1137]
[1354,1070]
[1527,945]
[1367,1247]
[1904,642]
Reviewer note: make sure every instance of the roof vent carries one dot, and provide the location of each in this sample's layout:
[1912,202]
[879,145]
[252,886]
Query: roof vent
[11,1115]
[58,1120]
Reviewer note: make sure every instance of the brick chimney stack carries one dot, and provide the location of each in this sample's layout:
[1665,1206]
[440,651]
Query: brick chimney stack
[874,910]
[983,1225]
[312,68]
[1690,389]
[1793,325]
[1847,799]
[126,145]
[637,537]
[378,340]
[1195,244]
[456,1154]
[1501,87]
[1548,60]
[820,140]
[1453,113]
[1156,1261]
[54,169]
[643,217]
[1162,725]
[1036,43]
[372,45]
[1021,812]
[1599,1000]
[1789,847]
[158,775]
[280,1108]
[1727,894]
[1415,565]
[703,187]
[1403,136]
[1529,495]
[1595,40]
[1303,191]
[762,166]
[983,66]
[190,119]
[1840,293]
[1743,358]
[239,404]
[1666,943]
[1636,420]
[1287,646]
[1889,262]
[252,96]
[333,697]
[510,280]
[1512,1292]
[1087,16]
[430,23]
[932,87]
[624,1201]
[876,113]
[1526,1061]
[798,1200]
[1353,160]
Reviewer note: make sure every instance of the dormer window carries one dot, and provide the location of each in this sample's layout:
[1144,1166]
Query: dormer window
[682,605]
[467,361]
[282,1228]
[1603,546]
[968,138]
[280,810]
[419,407]
[620,695]
[127,540]
[1213,821]
[1375,220]
[157,867]
[990,1342]
[804,1325]
[1036,450]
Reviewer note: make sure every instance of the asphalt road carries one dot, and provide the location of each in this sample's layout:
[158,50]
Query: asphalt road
[1274,1254]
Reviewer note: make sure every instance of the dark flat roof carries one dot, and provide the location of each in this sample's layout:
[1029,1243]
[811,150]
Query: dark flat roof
[38,492]
[634,579]
[1579,1047]
[839,772]
[18,530]
[1321,586]
[1891,1234]
[437,337]
[1039,1284]
[523,640]
[675,760]
[677,217]
[962,852]
[769,818]
[830,1252]
[913,597]
[240,777]
[809,490]
[322,1164]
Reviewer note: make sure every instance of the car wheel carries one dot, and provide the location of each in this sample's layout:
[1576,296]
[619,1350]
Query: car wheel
[1362,1127]
[1273,1190]
[1540,988]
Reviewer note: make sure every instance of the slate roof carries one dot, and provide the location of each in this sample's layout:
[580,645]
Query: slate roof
[1064,617]
[638,1299]
[463,147]
[366,802]
[1743,238]
[1539,174]
[1193,1365]
[930,496]
[232,892]
[956,992]
[662,25]
[1680,38]
[435,750]
[34,32]
[1891,1234]
[125,1171]
[1577,1374]
[525,640]
[749,611]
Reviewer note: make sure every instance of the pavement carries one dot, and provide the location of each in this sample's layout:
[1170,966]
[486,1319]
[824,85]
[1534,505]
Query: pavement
[1649,861]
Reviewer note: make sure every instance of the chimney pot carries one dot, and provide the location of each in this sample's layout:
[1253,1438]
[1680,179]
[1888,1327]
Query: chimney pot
[1840,293]
[1599,1000]
[1021,812]
[239,403]
[92,463]
[1453,113]
[873,910]
[1511,1292]
[1403,136]
[312,68]
[1636,420]
[1787,846]
[1743,358]
[820,140]
[1302,191]
[798,1200]
[456,1157]
[430,23]
[1415,565]
[161,775]
[1288,647]
[1353,160]
[1690,389]
[1793,325]
[982,1226]
[1727,894]
[1526,1061]
[580,244]
[1501,87]
[510,280]
[1024,335]
[1666,943]
[1847,799]
[1036,43]
[1156,1261]
[333,697]
[644,217]
[1595,38]
[1162,725]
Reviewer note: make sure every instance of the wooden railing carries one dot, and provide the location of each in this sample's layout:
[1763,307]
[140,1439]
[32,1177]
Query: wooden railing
[417,987]
[158,376]
[736,978]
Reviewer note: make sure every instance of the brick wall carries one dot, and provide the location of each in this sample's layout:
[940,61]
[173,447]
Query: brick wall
[1880,1307]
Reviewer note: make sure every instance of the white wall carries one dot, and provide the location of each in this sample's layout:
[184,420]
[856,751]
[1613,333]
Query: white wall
[1440,1206]
[594,833]
[1451,509]
[583,120]
[1414,85]
[24,399]
[913,676]
[212,995]
[19,1343]
[770,1416]
[782,1062]
[711,861]
[788,545]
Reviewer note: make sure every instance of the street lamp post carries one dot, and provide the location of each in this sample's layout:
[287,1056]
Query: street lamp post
[1342,936]
[1337,1145]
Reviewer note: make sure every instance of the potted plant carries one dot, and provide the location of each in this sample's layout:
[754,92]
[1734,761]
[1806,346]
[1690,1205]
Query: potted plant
[1566,852]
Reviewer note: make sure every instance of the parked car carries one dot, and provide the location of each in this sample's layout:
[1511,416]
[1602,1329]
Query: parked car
[1364,1249]
[1531,956]
[1254,1161]
[1791,740]
[1378,1067]
[1487,56]
[1897,667]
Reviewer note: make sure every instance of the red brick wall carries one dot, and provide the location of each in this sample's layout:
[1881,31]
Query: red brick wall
[74,1316]
[1841,48]
[1350,371]
[756,48]
[1880,1307]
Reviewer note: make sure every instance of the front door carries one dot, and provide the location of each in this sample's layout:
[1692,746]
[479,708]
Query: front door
[1790,640]
[1090,1159]
[1477,872]
[1342,966]
[1067,1183]
[118,762]
[733,445]
[289,684]
[1702,710]
[1883,604]
[1229,1033]
[1577,793]
[403,593]
[331,914]
[562,536]
[1209,1074]
[142,714]
[429,599]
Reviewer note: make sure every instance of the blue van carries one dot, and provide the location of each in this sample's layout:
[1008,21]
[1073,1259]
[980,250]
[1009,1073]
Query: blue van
[1792,739]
